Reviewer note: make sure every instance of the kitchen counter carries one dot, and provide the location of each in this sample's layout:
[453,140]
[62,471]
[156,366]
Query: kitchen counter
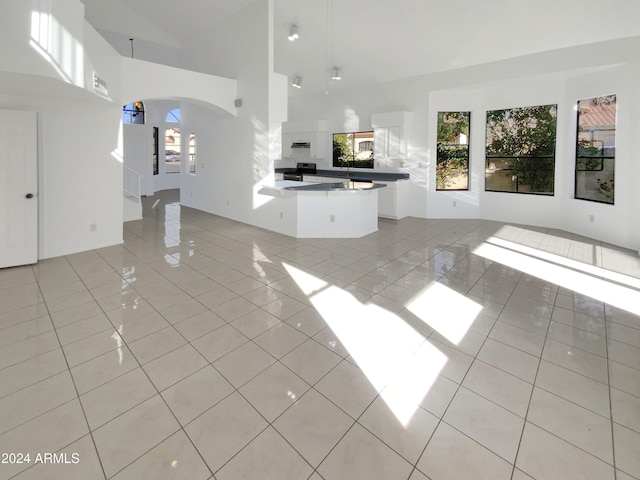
[323,210]
[353,175]
[333,186]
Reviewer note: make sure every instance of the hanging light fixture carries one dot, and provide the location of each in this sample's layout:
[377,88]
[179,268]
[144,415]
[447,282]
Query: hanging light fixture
[293,33]
[335,74]
[297,82]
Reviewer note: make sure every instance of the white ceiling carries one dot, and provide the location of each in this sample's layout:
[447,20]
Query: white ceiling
[377,40]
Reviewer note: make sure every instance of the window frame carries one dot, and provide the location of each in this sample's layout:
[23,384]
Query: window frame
[523,158]
[602,158]
[467,145]
[351,163]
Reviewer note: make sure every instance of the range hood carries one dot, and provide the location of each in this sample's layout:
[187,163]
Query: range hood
[300,145]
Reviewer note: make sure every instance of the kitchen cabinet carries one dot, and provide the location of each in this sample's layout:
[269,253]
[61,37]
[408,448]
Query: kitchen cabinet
[393,200]
[318,142]
[312,133]
[389,132]
[300,137]
[287,140]
[388,142]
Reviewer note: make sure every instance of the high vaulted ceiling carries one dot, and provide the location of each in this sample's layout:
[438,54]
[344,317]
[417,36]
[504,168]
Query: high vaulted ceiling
[376,40]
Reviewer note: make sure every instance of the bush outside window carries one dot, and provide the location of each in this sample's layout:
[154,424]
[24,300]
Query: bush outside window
[452,162]
[353,150]
[520,150]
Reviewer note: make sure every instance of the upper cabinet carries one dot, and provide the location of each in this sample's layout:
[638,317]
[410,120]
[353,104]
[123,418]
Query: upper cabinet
[318,142]
[389,132]
[304,140]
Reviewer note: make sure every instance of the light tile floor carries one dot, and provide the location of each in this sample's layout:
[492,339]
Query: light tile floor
[205,348]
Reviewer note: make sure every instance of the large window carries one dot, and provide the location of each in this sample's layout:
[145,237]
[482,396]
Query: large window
[596,149]
[172,150]
[520,150]
[452,163]
[353,150]
[133,113]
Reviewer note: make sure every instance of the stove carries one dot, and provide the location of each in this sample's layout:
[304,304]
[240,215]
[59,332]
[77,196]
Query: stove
[301,169]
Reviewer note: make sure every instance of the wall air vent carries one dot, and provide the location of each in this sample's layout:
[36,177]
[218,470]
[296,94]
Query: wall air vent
[300,145]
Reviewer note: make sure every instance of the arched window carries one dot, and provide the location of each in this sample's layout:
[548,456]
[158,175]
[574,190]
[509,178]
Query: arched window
[173,116]
[133,113]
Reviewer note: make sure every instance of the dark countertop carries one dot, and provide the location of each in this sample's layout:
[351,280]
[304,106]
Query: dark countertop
[336,186]
[353,175]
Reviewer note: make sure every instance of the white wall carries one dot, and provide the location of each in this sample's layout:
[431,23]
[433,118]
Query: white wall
[235,155]
[502,85]
[79,136]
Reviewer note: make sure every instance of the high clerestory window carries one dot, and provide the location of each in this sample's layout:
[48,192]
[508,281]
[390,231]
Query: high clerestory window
[596,149]
[452,163]
[520,150]
[133,113]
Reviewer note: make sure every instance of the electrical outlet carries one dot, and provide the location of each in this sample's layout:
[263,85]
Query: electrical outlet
[93,227]
[455,203]
[592,218]
[281,215]
[332,218]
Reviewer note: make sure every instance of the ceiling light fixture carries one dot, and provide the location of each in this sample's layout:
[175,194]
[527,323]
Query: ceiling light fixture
[335,74]
[293,33]
[297,82]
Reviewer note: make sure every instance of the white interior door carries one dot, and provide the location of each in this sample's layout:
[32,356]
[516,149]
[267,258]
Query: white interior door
[18,188]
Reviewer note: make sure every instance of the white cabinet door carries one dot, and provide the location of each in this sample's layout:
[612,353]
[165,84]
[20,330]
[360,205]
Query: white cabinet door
[394,142]
[300,137]
[18,188]
[387,200]
[318,145]
[287,140]
[388,142]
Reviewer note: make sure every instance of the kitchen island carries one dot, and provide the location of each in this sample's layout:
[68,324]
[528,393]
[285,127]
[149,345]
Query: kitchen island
[345,209]
[393,201]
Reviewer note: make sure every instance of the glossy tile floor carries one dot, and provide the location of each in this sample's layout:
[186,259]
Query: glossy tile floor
[204,348]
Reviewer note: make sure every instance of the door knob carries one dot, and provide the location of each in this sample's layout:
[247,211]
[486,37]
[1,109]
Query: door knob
[29,195]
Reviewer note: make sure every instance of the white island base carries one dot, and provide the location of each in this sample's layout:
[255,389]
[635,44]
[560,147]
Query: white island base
[335,213]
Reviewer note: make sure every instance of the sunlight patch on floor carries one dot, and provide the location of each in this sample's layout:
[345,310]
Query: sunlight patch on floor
[446,311]
[396,359]
[564,272]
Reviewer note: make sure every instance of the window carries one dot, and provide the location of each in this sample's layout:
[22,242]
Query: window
[596,149]
[192,153]
[133,113]
[452,162]
[520,150]
[172,150]
[365,146]
[353,150]
[155,150]
[173,116]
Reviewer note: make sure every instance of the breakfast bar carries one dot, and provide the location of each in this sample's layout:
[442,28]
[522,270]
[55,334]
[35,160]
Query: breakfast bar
[344,209]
